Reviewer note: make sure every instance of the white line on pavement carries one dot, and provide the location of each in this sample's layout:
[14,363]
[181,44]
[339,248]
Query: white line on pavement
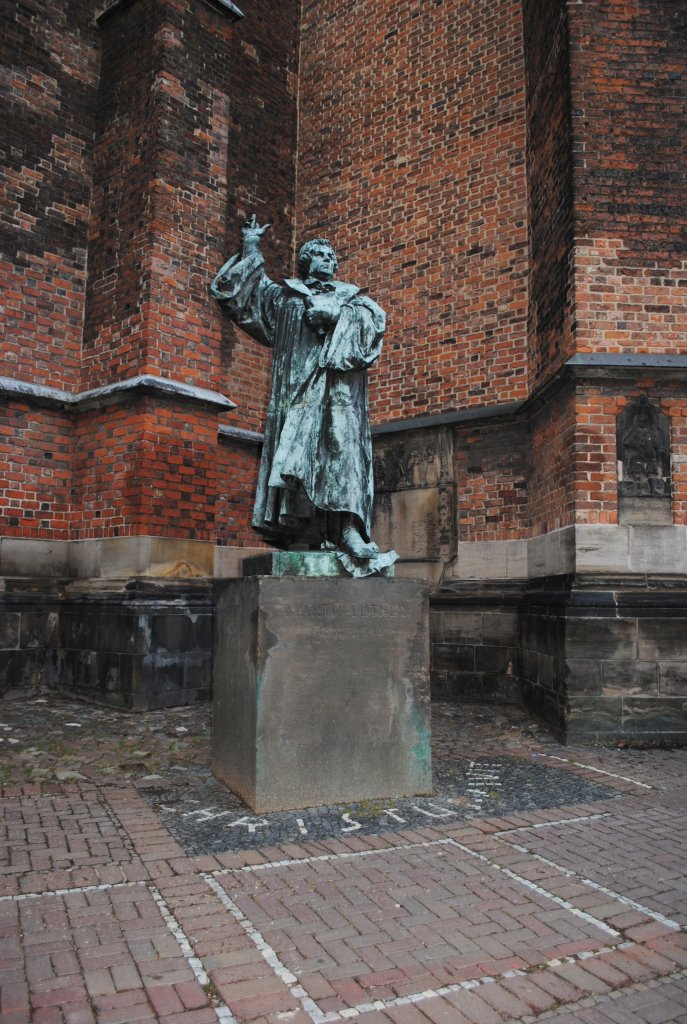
[591,768]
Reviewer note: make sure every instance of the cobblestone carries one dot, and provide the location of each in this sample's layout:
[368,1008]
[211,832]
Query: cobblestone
[537,882]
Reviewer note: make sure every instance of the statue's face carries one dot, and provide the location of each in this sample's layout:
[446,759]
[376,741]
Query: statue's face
[322,263]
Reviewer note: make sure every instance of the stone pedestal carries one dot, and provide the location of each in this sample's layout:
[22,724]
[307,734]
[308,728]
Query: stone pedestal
[321,690]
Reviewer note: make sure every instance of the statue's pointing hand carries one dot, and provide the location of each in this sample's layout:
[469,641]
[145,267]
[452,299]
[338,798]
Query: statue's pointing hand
[252,233]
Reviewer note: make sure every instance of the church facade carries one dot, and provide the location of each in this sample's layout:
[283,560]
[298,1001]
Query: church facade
[508,180]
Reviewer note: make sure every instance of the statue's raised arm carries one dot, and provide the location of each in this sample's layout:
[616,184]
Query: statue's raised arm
[315,487]
[251,235]
[243,288]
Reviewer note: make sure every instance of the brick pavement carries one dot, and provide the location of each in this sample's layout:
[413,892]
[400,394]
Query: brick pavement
[573,913]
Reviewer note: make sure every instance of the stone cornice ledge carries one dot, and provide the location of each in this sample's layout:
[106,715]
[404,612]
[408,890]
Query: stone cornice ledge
[448,419]
[226,7]
[144,384]
[583,365]
[227,432]
[624,366]
[626,361]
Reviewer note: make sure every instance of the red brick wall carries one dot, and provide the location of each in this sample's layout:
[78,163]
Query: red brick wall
[237,473]
[593,454]
[185,127]
[172,105]
[50,60]
[262,82]
[491,478]
[129,123]
[607,182]
[411,157]
[50,69]
[630,174]
[35,472]
[550,472]
[630,123]
[507,179]
[201,150]
[136,471]
[549,182]
[108,460]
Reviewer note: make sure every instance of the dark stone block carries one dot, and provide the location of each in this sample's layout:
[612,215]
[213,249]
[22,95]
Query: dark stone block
[543,633]
[544,670]
[558,674]
[583,677]
[53,668]
[596,716]
[111,678]
[527,693]
[595,603]
[673,678]
[21,670]
[555,635]
[532,632]
[160,674]
[462,626]
[82,668]
[501,689]
[494,659]
[9,630]
[625,677]
[647,715]
[439,686]
[546,707]
[197,676]
[176,632]
[500,628]
[650,603]
[122,630]
[40,629]
[589,638]
[436,627]
[453,657]
[80,629]
[465,685]
[530,666]
[663,639]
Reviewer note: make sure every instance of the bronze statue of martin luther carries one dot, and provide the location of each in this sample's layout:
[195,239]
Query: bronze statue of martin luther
[315,487]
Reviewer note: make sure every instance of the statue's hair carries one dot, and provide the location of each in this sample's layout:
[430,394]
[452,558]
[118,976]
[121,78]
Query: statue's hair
[304,256]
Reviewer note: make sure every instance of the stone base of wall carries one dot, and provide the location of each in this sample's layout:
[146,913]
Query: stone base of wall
[137,644]
[604,659]
[594,658]
[474,630]
[30,658]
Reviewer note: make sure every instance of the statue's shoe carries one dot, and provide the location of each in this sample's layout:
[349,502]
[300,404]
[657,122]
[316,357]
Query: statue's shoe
[353,544]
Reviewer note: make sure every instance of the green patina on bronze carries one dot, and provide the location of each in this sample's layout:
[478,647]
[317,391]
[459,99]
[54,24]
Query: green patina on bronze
[301,563]
[315,487]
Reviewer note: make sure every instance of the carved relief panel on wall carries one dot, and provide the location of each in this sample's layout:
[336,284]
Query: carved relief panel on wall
[414,500]
[644,480]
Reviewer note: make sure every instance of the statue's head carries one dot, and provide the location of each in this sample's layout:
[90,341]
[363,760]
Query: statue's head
[317,259]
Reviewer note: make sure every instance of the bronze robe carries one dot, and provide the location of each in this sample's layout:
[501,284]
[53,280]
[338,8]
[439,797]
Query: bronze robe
[317,438]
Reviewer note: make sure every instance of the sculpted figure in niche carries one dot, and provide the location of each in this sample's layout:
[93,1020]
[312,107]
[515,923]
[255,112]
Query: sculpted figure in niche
[315,486]
[644,450]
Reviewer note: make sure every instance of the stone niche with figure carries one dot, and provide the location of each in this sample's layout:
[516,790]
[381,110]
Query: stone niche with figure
[644,476]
